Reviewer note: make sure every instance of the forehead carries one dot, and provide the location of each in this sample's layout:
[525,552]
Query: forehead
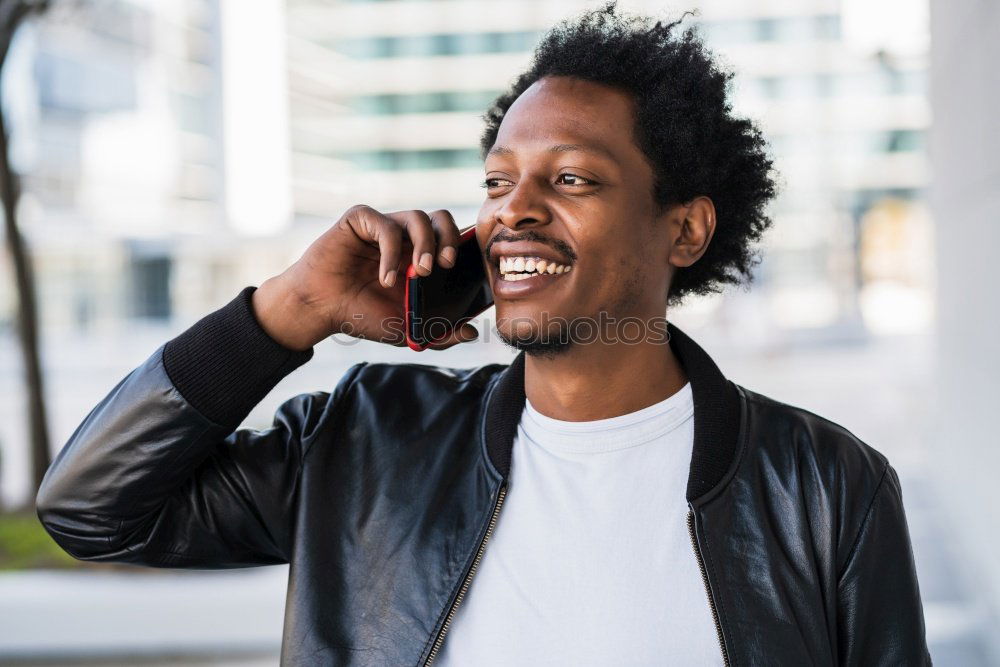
[567,110]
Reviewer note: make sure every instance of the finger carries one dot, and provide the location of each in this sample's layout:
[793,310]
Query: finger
[448,237]
[374,227]
[421,234]
[464,334]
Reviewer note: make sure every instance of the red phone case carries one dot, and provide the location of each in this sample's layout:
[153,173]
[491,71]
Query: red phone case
[411,272]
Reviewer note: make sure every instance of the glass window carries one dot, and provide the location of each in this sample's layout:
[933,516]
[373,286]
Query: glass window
[149,287]
[778,29]
[767,30]
[914,82]
[827,27]
[425,102]
[437,45]
[900,141]
[418,159]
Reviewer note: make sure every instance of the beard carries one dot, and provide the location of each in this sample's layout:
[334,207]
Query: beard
[552,341]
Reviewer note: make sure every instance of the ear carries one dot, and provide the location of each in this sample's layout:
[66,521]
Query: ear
[691,227]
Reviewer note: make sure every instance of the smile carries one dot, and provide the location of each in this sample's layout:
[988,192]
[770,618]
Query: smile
[522,267]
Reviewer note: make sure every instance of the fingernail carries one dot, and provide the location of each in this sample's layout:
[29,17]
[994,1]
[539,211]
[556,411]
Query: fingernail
[448,255]
[390,278]
[426,261]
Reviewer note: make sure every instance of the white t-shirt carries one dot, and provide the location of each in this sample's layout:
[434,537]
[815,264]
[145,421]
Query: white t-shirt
[590,561]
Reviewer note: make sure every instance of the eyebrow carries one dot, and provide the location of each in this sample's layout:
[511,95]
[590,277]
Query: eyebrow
[559,148]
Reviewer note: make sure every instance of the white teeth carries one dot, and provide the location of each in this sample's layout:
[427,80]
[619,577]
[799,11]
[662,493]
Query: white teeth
[519,268]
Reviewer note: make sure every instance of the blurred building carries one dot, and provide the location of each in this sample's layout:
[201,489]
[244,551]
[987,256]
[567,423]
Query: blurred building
[115,123]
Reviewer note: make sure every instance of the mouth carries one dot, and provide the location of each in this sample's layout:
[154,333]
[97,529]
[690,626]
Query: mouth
[523,276]
[522,267]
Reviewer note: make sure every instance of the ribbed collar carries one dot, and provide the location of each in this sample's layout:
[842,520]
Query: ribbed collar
[716,414]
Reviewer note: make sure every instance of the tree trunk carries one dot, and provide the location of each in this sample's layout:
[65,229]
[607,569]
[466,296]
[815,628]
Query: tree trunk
[27,317]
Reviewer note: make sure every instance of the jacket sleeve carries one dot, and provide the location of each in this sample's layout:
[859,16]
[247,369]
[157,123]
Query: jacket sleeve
[158,475]
[881,620]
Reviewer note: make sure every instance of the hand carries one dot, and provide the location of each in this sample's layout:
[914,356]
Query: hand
[352,279]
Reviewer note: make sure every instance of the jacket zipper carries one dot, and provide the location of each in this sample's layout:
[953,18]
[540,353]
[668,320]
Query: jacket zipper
[468,576]
[708,588]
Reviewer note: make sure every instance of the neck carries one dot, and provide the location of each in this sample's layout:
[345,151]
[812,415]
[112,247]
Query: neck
[601,380]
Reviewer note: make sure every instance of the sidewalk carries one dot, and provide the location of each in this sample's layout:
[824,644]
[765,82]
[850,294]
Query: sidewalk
[233,617]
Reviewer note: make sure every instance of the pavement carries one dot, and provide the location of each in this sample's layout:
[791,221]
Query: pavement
[142,617]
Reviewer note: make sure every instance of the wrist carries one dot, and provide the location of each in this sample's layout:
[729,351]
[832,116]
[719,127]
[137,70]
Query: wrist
[286,318]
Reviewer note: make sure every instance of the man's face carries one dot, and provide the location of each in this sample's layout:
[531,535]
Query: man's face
[567,183]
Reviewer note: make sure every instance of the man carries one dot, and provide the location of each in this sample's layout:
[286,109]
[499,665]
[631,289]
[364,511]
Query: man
[609,498]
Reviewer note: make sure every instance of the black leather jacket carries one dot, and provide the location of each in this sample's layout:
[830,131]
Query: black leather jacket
[382,495]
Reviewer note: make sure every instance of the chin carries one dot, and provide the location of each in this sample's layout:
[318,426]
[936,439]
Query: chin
[534,345]
[517,315]
[523,333]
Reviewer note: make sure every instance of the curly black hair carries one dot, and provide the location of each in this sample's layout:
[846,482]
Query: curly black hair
[683,124]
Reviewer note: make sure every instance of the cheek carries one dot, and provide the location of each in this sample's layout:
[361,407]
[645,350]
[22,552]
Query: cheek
[633,276]
[600,284]
[487,213]
[484,222]
[630,269]
[482,234]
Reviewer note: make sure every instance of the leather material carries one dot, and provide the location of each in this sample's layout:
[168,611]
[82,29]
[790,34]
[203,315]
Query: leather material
[379,492]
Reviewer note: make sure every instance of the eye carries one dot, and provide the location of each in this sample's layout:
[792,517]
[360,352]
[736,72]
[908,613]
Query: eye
[585,181]
[492,182]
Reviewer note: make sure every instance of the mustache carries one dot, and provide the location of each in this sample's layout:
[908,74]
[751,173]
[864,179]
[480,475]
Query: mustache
[532,236]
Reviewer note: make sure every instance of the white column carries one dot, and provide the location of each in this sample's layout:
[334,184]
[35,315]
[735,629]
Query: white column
[258,193]
[965,197]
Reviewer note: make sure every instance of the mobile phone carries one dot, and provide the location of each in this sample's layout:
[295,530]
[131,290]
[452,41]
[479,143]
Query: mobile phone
[437,304]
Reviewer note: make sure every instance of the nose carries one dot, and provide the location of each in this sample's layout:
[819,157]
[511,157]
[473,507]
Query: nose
[523,207]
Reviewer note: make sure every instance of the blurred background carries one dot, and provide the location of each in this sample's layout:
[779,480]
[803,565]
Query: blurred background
[163,155]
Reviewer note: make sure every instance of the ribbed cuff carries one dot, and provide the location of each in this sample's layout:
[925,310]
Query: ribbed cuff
[225,363]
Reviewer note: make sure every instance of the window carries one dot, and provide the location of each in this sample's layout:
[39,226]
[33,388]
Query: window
[149,286]
[425,102]
[391,160]
[437,44]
